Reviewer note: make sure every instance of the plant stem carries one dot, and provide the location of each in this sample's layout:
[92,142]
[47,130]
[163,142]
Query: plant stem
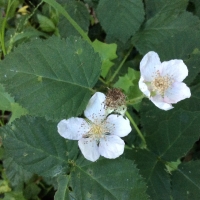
[102,80]
[135,100]
[120,65]
[62,11]
[137,129]
[3,27]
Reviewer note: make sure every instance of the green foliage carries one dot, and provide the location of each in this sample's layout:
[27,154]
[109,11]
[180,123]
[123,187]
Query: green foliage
[193,66]
[123,19]
[53,78]
[150,114]
[196,4]
[162,33]
[35,144]
[107,179]
[153,170]
[175,133]
[31,191]
[63,190]
[45,23]
[159,6]
[47,74]
[107,53]
[8,104]
[128,80]
[185,181]
[15,173]
[44,152]
[79,12]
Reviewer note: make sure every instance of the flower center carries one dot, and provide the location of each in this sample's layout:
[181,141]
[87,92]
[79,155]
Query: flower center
[161,83]
[97,131]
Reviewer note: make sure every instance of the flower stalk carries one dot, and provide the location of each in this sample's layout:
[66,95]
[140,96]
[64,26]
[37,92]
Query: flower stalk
[137,130]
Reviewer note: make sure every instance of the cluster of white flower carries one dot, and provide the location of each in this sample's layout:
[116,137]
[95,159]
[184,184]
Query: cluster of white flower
[98,134]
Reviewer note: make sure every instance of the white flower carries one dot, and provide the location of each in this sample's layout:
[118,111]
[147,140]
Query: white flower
[162,82]
[99,134]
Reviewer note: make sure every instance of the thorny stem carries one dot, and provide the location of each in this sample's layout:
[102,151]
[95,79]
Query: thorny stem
[137,129]
[120,65]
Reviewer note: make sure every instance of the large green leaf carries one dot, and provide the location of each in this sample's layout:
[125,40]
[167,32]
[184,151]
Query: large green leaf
[52,78]
[150,113]
[107,179]
[120,19]
[175,136]
[79,12]
[186,182]
[153,170]
[155,6]
[35,144]
[167,33]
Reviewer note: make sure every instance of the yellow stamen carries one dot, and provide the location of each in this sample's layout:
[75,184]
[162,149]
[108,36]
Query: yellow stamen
[161,83]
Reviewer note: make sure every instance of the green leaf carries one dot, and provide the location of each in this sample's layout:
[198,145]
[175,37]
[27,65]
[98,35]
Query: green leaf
[193,66]
[16,38]
[15,173]
[59,8]
[175,136]
[167,33]
[186,182]
[150,113]
[153,170]
[79,12]
[52,78]
[35,144]
[63,190]
[45,23]
[128,80]
[123,18]
[154,6]
[107,53]
[7,103]
[5,99]
[197,7]
[107,179]
[14,195]
[31,191]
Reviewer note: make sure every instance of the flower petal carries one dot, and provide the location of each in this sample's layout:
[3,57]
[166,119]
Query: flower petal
[117,125]
[143,87]
[149,64]
[73,128]
[159,102]
[111,146]
[177,92]
[175,69]
[95,110]
[89,149]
